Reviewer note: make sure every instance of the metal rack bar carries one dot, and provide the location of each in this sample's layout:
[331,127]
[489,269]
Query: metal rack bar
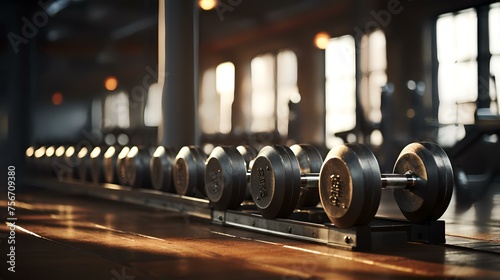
[378,234]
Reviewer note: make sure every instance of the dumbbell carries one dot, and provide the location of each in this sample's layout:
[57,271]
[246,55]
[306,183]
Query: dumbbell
[282,176]
[47,161]
[38,160]
[29,160]
[226,174]
[109,165]
[58,165]
[351,182]
[121,169]
[96,165]
[137,167]
[70,160]
[161,169]
[83,164]
[189,171]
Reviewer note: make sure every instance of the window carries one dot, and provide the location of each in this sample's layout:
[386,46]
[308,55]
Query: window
[152,112]
[457,72]
[116,111]
[340,74]
[494,31]
[216,99]
[274,86]
[263,93]
[373,74]
[466,63]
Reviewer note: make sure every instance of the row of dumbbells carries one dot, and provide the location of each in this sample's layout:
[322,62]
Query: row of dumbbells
[279,179]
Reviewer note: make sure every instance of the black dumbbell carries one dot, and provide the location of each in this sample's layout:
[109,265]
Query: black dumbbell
[227,170]
[281,176]
[47,161]
[83,172]
[351,182]
[189,171]
[161,169]
[96,165]
[137,167]
[71,161]
[38,160]
[109,165]
[29,160]
[121,168]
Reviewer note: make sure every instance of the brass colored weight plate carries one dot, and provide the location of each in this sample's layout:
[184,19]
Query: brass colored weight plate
[310,161]
[430,198]
[189,171]
[350,185]
[161,168]
[275,181]
[225,178]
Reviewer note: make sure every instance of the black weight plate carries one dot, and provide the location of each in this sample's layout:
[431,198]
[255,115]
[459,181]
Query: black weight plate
[121,168]
[310,161]
[96,165]
[249,153]
[350,185]
[275,182]
[161,168]
[137,165]
[292,181]
[431,196]
[225,178]
[189,171]
[83,164]
[109,165]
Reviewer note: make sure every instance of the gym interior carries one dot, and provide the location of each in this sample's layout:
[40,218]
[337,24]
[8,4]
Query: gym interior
[220,139]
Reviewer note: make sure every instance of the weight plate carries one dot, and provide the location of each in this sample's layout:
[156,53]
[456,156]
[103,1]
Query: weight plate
[350,185]
[96,165]
[430,198]
[121,169]
[109,164]
[189,171]
[83,167]
[249,153]
[225,178]
[310,161]
[275,181]
[161,167]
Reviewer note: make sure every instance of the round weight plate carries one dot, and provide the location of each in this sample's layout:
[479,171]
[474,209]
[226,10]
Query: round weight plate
[189,171]
[109,164]
[121,169]
[432,194]
[225,178]
[310,161]
[350,185]
[161,168]
[82,168]
[249,153]
[275,181]
[96,165]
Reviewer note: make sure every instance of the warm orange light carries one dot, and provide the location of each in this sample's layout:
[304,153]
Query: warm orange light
[111,83]
[321,40]
[207,4]
[57,98]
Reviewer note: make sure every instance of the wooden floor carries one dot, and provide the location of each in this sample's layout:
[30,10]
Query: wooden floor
[61,236]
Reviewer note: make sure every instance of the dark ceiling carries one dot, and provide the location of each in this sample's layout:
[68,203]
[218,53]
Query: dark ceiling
[80,42]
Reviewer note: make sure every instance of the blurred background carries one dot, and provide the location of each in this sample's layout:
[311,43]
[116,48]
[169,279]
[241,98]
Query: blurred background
[179,72]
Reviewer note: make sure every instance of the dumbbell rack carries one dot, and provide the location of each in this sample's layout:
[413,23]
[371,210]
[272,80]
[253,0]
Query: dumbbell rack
[306,225]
